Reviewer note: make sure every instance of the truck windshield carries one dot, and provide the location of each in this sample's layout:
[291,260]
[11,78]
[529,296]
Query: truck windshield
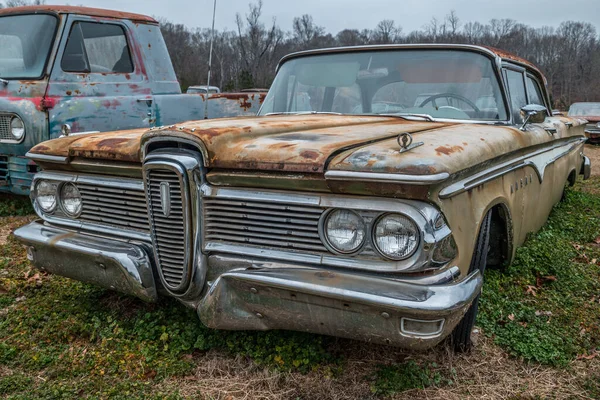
[25,42]
[584,109]
[442,83]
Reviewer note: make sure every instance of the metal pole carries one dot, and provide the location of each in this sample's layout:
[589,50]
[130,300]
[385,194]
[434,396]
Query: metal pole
[212,39]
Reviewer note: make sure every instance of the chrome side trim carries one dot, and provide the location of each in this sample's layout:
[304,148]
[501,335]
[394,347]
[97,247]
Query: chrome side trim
[47,158]
[387,178]
[538,160]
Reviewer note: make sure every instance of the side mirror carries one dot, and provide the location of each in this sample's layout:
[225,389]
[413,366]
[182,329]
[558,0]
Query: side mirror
[533,113]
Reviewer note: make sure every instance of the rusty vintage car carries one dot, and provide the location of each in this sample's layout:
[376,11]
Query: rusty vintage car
[364,201]
[591,113]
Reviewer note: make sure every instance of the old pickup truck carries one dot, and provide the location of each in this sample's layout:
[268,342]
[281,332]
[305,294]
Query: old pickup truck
[69,70]
[345,208]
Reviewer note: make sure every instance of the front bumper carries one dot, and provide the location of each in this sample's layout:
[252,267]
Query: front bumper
[412,314]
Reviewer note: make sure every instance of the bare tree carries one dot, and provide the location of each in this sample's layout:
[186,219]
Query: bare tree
[257,44]
[20,3]
[386,32]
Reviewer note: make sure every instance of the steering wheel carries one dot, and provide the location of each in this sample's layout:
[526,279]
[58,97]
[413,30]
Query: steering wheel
[431,99]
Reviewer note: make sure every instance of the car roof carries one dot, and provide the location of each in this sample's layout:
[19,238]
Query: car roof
[488,50]
[94,12]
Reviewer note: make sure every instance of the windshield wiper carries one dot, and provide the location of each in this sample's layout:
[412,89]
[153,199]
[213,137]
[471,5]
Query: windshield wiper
[302,113]
[426,117]
[3,81]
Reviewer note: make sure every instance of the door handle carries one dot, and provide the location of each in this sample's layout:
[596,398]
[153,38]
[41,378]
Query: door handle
[148,100]
[551,131]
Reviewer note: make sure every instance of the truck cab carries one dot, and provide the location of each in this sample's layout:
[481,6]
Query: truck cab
[75,70]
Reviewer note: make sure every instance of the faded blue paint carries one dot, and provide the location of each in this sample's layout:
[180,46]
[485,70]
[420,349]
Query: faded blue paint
[150,96]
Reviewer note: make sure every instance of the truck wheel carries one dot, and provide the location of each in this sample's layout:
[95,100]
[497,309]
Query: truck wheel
[461,336]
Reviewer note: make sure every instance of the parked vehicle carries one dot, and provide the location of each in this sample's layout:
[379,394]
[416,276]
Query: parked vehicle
[336,220]
[591,113]
[73,70]
[203,90]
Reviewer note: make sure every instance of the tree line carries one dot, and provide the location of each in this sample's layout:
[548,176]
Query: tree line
[569,55]
[246,57]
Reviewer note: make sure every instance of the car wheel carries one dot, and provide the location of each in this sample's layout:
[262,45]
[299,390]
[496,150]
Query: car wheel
[461,336]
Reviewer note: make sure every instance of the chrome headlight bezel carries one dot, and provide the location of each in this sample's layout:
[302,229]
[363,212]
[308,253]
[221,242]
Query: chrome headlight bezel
[16,120]
[36,195]
[417,230]
[325,236]
[61,200]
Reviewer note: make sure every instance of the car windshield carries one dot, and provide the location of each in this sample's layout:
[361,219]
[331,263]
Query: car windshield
[584,109]
[450,84]
[25,42]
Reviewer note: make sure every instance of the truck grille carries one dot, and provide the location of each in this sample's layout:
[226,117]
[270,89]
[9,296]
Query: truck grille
[261,223]
[5,127]
[170,240]
[123,208]
[3,170]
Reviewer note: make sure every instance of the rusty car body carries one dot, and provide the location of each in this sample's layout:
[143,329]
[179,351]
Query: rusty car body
[341,209]
[74,70]
[591,113]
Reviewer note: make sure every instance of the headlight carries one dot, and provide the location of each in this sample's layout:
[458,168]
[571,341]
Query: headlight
[45,195]
[345,231]
[396,236]
[70,199]
[17,129]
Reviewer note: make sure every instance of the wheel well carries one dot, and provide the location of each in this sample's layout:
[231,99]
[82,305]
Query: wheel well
[500,245]
[572,179]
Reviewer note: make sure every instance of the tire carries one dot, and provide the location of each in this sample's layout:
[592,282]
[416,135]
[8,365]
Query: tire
[461,336]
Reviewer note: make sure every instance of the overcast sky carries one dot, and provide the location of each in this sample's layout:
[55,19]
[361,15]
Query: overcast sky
[336,15]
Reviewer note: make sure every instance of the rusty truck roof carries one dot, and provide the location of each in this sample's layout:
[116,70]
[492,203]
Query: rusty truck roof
[94,12]
[490,51]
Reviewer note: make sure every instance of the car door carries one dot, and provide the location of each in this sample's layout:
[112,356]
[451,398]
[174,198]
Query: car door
[535,188]
[98,82]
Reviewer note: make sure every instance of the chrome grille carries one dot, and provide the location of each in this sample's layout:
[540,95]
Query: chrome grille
[3,169]
[5,127]
[169,232]
[262,223]
[123,208]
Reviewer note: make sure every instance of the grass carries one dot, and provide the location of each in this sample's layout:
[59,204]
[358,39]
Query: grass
[540,319]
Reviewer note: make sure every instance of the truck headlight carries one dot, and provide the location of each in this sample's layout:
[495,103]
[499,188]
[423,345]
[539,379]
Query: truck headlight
[396,236]
[70,200]
[45,195]
[17,128]
[345,231]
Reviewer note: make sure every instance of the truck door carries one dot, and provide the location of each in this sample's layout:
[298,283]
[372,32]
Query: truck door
[99,82]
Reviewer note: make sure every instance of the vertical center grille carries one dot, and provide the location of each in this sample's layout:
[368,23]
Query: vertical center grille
[168,208]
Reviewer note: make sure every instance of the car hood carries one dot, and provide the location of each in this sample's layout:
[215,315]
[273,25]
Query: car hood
[299,143]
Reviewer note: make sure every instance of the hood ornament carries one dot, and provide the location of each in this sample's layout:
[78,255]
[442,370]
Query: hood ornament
[405,140]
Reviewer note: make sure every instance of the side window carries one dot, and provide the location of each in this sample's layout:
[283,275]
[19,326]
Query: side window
[518,97]
[94,47]
[534,92]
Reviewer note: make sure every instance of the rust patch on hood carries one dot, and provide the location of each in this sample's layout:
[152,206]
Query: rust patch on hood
[118,145]
[447,150]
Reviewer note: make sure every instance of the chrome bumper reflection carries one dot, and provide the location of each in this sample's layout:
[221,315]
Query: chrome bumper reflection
[348,305]
[246,294]
[108,263]
[586,168]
